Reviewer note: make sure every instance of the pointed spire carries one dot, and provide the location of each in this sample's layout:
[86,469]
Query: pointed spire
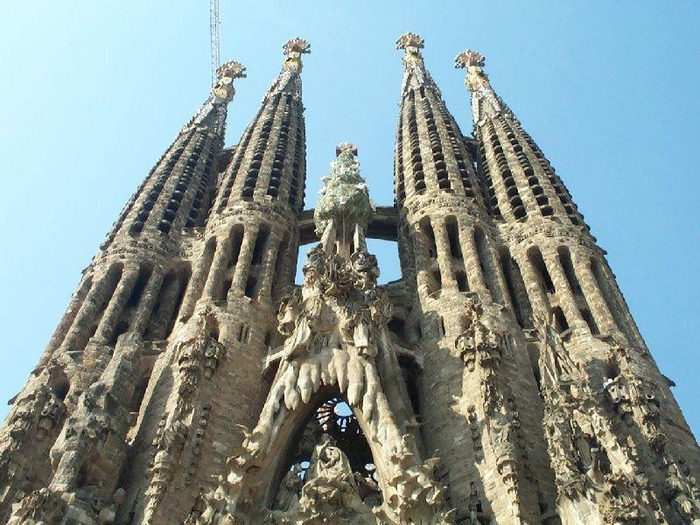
[212,113]
[521,182]
[415,76]
[276,131]
[289,79]
[478,84]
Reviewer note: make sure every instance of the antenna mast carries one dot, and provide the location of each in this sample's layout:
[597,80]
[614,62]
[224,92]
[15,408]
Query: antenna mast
[215,41]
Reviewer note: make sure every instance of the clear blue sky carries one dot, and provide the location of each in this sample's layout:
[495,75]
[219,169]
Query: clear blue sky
[92,93]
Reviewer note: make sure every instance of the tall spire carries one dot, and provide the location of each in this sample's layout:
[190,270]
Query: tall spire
[269,161]
[222,93]
[520,181]
[431,155]
[178,188]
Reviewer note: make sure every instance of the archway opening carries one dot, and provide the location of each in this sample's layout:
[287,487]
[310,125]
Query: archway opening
[332,417]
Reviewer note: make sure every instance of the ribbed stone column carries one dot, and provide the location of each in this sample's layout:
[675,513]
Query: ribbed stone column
[110,319]
[600,311]
[168,301]
[240,276]
[148,300]
[444,255]
[268,267]
[567,301]
[493,268]
[67,321]
[218,267]
[77,335]
[199,279]
[471,262]
[538,298]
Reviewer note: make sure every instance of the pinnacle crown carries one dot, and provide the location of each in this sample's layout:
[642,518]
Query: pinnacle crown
[469,58]
[411,42]
[231,70]
[296,46]
[345,146]
[293,50]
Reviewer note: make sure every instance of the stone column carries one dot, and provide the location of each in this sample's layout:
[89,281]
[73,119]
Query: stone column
[199,278]
[268,267]
[212,289]
[240,276]
[115,308]
[538,298]
[596,301]
[444,255]
[168,303]
[77,334]
[471,261]
[565,294]
[144,309]
[67,321]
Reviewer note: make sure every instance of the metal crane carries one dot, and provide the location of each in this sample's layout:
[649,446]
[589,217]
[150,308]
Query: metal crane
[214,25]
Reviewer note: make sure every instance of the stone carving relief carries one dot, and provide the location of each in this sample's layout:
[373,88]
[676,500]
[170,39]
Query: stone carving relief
[482,347]
[336,338]
[40,406]
[88,453]
[594,470]
[195,357]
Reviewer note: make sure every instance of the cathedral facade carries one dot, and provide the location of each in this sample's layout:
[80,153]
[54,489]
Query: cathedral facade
[502,379]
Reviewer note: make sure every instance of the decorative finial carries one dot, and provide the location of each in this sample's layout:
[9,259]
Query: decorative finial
[223,89]
[346,146]
[473,62]
[469,58]
[293,50]
[231,69]
[411,42]
[344,197]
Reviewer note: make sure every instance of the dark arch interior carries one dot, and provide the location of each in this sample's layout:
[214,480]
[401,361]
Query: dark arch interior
[334,417]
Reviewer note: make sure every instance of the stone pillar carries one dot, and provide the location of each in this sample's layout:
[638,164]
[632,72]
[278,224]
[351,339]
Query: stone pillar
[240,276]
[198,281]
[538,298]
[596,301]
[77,335]
[268,267]
[565,294]
[115,308]
[166,310]
[67,321]
[212,289]
[444,255]
[144,309]
[471,261]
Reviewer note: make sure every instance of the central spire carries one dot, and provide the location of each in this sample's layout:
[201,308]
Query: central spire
[344,209]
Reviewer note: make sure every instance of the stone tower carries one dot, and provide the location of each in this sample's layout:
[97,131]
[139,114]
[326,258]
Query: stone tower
[500,380]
